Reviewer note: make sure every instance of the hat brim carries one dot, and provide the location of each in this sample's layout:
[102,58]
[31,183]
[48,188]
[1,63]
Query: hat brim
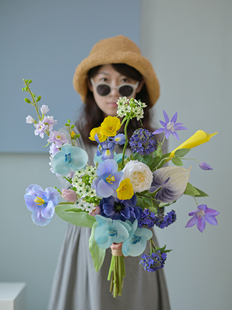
[134,60]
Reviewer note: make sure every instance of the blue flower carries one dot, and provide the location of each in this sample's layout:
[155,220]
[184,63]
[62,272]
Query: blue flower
[108,178]
[41,203]
[69,158]
[137,241]
[205,166]
[170,127]
[118,209]
[107,231]
[154,261]
[106,148]
[143,142]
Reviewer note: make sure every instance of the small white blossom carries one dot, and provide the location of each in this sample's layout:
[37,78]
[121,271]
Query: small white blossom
[30,119]
[44,109]
[85,206]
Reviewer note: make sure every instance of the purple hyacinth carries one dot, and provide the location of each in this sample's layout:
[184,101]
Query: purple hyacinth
[143,142]
[154,261]
[149,219]
[170,127]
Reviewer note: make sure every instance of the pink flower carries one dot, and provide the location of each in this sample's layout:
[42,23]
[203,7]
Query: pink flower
[69,195]
[95,211]
[58,138]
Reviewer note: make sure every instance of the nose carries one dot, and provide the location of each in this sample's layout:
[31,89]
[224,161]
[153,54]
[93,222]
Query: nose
[114,91]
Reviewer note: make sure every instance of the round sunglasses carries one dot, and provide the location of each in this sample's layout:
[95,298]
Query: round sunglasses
[104,89]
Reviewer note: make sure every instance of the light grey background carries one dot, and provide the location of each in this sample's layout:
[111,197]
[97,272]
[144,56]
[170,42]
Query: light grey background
[189,45]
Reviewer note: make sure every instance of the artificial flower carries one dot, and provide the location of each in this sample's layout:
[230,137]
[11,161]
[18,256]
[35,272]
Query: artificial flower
[148,219]
[205,166]
[153,261]
[110,126]
[172,180]
[137,241]
[40,128]
[69,158]
[142,142]
[170,127]
[57,138]
[198,138]
[96,134]
[118,209]
[125,189]
[201,216]
[44,109]
[107,231]
[30,119]
[41,203]
[49,121]
[108,178]
[69,195]
[139,174]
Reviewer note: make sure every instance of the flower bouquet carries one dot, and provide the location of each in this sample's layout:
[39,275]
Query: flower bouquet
[123,196]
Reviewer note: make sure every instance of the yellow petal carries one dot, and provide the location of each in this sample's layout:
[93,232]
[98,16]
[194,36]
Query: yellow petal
[198,138]
[110,126]
[125,190]
[98,131]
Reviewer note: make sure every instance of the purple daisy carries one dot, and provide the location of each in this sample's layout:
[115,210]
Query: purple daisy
[170,127]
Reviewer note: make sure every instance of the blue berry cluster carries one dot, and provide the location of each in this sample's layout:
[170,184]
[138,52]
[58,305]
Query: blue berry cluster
[149,219]
[153,261]
[143,142]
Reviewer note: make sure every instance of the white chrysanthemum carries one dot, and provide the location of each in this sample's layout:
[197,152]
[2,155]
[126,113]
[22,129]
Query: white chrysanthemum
[139,174]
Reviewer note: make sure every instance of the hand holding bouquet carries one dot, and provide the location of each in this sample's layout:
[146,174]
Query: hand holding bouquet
[122,197]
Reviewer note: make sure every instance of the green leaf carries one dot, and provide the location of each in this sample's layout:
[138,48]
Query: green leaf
[97,253]
[177,161]
[74,216]
[181,152]
[191,190]
[146,159]
[201,193]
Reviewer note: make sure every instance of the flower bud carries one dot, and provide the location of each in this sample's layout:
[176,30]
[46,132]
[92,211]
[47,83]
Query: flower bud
[44,109]
[30,119]
[69,195]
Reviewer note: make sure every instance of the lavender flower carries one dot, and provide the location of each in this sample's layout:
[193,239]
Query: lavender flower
[49,121]
[143,142]
[201,216]
[44,109]
[170,127]
[41,127]
[205,166]
[57,138]
[154,261]
[30,119]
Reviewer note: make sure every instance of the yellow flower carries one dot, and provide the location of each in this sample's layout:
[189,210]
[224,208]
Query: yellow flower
[110,126]
[125,190]
[72,134]
[198,138]
[98,131]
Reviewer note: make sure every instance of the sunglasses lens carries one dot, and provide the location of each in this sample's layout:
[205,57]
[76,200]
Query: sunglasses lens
[126,90]
[103,89]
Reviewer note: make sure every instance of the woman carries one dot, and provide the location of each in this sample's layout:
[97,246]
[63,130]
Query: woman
[114,68]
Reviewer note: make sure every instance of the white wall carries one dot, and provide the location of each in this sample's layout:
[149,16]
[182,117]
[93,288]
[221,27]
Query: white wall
[190,45]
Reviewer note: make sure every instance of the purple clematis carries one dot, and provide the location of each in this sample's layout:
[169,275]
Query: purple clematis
[170,127]
[108,178]
[202,215]
[41,203]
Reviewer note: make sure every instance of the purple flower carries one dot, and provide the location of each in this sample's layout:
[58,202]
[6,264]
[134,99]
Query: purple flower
[154,261]
[205,166]
[149,219]
[41,203]
[201,215]
[49,121]
[58,138]
[108,178]
[170,127]
[143,142]
[40,129]
[120,209]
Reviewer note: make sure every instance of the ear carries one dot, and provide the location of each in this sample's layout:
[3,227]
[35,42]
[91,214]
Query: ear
[90,86]
[140,86]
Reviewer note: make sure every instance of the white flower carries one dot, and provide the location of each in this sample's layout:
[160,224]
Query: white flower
[173,182]
[139,174]
[44,109]
[85,206]
[30,119]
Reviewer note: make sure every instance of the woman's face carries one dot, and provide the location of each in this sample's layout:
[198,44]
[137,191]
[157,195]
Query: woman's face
[108,75]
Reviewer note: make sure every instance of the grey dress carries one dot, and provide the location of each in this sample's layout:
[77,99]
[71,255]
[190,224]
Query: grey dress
[77,286]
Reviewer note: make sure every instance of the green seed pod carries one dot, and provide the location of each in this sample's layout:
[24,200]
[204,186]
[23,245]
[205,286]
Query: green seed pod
[72,126]
[38,99]
[30,81]
[27,100]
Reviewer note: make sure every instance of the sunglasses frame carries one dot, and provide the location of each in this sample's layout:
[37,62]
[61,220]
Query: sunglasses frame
[134,86]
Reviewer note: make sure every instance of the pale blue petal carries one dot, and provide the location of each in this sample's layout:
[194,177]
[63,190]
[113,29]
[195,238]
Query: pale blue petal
[103,189]
[30,203]
[31,189]
[38,219]
[49,211]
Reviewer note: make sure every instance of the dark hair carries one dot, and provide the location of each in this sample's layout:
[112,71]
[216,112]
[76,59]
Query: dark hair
[94,116]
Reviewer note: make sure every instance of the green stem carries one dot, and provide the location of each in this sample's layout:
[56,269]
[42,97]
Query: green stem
[126,142]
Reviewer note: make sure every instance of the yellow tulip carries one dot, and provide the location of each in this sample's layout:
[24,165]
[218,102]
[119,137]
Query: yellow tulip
[198,138]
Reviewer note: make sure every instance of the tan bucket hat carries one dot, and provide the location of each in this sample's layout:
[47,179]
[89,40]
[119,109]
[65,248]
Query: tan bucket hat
[118,49]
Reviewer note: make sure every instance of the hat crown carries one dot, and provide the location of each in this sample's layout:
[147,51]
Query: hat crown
[113,45]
